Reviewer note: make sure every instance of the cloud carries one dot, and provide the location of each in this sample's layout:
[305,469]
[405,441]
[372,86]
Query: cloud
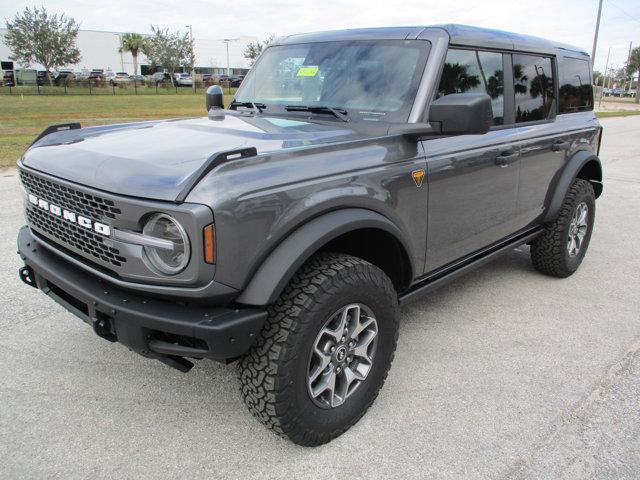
[568,21]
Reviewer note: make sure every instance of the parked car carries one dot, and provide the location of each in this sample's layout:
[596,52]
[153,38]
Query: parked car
[63,77]
[220,79]
[183,80]
[119,78]
[8,79]
[618,92]
[159,78]
[137,78]
[283,231]
[607,92]
[41,78]
[235,80]
[630,93]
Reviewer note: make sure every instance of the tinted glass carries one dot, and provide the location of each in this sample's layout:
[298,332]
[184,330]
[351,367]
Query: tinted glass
[476,72]
[576,92]
[375,80]
[533,85]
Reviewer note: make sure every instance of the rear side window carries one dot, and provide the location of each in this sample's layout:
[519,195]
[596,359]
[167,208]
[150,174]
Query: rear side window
[576,92]
[475,72]
[533,86]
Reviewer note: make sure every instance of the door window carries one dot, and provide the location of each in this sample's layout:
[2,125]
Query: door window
[576,92]
[533,86]
[475,72]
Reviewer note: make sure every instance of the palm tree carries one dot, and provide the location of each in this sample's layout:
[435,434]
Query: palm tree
[132,42]
[456,79]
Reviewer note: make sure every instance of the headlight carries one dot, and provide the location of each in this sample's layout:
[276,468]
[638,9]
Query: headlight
[169,260]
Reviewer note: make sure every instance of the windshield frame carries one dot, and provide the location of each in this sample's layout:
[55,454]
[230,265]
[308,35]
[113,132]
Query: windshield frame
[356,115]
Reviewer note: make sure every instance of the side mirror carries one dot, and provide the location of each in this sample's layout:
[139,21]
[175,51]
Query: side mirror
[214,98]
[462,114]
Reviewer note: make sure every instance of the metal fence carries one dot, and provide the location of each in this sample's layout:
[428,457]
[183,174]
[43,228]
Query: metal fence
[129,88]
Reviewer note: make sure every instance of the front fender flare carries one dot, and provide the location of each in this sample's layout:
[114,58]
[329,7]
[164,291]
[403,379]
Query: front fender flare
[568,175]
[275,272]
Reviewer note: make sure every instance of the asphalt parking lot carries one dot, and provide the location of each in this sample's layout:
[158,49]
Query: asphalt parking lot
[505,374]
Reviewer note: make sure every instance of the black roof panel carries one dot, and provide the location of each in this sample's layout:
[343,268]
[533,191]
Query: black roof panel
[459,35]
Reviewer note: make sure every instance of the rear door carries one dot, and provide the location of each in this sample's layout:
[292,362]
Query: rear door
[543,140]
[473,179]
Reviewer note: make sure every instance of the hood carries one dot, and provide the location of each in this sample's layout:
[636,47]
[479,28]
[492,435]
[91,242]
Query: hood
[156,159]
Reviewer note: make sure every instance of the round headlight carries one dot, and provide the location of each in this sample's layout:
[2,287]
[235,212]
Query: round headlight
[169,260]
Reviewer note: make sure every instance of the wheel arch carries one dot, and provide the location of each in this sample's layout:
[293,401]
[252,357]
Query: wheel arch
[355,231]
[584,165]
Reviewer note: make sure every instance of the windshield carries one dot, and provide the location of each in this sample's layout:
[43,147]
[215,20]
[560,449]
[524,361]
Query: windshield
[371,80]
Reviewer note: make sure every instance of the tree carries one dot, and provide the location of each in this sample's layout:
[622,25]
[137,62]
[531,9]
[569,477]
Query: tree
[633,66]
[597,77]
[42,37]
[170,50]
[133,43]
[254,49]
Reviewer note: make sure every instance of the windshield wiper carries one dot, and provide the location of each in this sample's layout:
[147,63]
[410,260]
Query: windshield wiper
[256,107]
[336,112]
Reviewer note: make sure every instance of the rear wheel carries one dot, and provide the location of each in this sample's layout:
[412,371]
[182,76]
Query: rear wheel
[325,351]
[562,246]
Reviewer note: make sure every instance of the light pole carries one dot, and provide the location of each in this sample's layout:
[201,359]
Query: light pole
[595,35]
[226,41]
[193,59]
[604,80]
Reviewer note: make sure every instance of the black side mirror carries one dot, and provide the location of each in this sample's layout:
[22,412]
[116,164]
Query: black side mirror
[462,114]
[214,98]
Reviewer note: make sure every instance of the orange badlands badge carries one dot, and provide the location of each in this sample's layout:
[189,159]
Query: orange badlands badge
[418,177]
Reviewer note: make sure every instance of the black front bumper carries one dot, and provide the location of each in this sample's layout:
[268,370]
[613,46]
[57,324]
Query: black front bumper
[168,331]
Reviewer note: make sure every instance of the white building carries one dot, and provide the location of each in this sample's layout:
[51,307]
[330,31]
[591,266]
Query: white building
[100,50]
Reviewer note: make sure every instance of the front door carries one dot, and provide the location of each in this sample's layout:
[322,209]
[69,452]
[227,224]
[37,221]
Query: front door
[473,179]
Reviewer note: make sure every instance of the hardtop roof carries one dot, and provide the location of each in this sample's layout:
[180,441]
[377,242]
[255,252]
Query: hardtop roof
[459,35]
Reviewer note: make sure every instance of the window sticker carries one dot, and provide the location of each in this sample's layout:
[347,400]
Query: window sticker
[307,71]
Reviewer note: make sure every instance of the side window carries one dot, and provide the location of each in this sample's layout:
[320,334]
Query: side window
[533,86]
[475,71]
[576,92]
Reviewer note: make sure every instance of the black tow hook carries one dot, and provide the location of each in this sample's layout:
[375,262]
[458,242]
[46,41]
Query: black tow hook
[27,276]
[103,327]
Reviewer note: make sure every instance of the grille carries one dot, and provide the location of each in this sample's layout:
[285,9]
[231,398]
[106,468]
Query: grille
[83,203]
[78,237]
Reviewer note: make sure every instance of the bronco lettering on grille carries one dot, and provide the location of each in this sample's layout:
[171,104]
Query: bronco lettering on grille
[72,217]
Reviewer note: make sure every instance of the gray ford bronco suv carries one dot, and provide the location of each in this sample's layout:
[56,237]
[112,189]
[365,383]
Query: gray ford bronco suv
[352,170]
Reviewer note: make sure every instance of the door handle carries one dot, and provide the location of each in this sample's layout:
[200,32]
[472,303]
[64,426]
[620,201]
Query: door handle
[506,157]
[560,145]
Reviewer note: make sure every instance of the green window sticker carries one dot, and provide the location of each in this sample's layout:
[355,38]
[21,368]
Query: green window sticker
[310,71]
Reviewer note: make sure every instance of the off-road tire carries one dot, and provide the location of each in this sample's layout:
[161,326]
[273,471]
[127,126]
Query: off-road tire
[549,253]
[273,374]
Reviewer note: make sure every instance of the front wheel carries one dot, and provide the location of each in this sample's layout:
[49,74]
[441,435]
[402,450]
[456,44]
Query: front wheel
[325,351]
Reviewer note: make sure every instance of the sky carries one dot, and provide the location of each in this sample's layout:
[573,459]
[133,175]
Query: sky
[566,21]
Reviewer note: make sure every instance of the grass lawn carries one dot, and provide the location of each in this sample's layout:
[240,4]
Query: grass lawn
[23,118]
[619,113]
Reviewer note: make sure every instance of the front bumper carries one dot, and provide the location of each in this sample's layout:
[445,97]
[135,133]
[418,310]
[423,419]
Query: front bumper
[166,330]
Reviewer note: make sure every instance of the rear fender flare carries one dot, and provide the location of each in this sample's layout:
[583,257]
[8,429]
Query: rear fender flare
[568,175]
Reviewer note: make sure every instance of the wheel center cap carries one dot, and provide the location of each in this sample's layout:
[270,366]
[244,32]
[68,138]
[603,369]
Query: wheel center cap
[341,354]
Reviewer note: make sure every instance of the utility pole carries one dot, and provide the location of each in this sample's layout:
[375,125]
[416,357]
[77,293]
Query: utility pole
[605,78]
[595,35]
[121,57]
[627,66]
[227,40]
[193,57]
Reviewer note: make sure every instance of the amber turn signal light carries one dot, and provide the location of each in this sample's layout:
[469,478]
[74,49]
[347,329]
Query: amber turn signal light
[209,244]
